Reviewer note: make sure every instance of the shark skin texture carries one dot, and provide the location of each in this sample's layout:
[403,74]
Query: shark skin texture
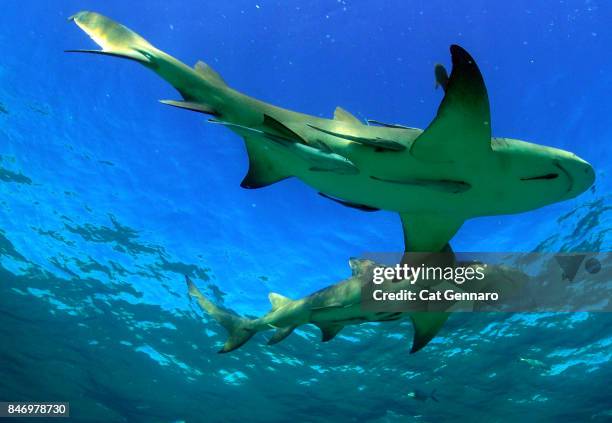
[435,178]
[339,305]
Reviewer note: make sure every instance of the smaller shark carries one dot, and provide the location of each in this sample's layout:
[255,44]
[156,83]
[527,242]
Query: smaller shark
[419,395]
[330,309]
[535,363]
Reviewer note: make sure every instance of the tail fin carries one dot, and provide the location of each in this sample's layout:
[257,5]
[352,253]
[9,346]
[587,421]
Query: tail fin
[240,330]
[200,85]
[433,396]
[114,38]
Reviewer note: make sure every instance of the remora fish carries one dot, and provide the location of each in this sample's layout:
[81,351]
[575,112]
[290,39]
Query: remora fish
[331,309]
[434,178]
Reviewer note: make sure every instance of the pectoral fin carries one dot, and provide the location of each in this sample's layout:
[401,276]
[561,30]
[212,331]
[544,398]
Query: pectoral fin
[378,144]
[189,105]
[428,232]
[462,127]
[262,171]
[426,326]
[282,129]
[280,334]
[389,125]
[329,332]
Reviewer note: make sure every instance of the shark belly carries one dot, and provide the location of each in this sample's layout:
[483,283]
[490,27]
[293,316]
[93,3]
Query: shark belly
[414,195]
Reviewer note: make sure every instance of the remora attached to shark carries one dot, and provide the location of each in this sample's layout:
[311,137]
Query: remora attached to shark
[434,178]
[339,305]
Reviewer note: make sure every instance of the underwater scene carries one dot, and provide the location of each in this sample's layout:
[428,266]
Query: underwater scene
[110,201]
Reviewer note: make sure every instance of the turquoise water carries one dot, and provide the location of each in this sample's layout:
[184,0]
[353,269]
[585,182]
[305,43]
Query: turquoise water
[108,198]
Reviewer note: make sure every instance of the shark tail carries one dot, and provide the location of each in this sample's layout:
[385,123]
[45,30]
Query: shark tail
[240,330]
[433,396]
[201,87]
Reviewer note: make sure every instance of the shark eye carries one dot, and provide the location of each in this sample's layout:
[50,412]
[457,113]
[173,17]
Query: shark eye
[537,178]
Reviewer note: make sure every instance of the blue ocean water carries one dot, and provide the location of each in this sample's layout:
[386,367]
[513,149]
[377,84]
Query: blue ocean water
[108,198]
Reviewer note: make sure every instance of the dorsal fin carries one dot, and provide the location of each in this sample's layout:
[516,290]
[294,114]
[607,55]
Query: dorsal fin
[277,300]
[344,116]
[209,73]
[359,266]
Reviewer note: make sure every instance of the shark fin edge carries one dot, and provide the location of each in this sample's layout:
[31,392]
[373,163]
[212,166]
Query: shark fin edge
[131,55]
[359,266]
[282,129]
[374,122]
[280,334]
[428,232]
[343,116]
[277,300]
[355,206]
[426,326]
[329,332]
[192,106]
[462,126]
[262,171]
[239,329]
[441,76]
[209,73]
[378,144]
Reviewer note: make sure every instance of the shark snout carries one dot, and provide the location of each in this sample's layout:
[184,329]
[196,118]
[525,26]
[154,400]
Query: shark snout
[579,172]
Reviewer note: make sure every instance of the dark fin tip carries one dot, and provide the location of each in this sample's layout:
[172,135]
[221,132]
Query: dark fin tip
[417,346]
[460,56]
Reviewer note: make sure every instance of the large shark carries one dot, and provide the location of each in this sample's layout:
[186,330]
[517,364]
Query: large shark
[434,178]
[342,304]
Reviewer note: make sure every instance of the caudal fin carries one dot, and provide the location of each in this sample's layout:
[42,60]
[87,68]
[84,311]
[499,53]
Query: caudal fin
[240,330]
[433,396]
[199,86]
[114,38]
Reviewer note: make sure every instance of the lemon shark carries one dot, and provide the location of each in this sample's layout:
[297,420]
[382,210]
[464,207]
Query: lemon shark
[330,309]
[435,178]
[341,304]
